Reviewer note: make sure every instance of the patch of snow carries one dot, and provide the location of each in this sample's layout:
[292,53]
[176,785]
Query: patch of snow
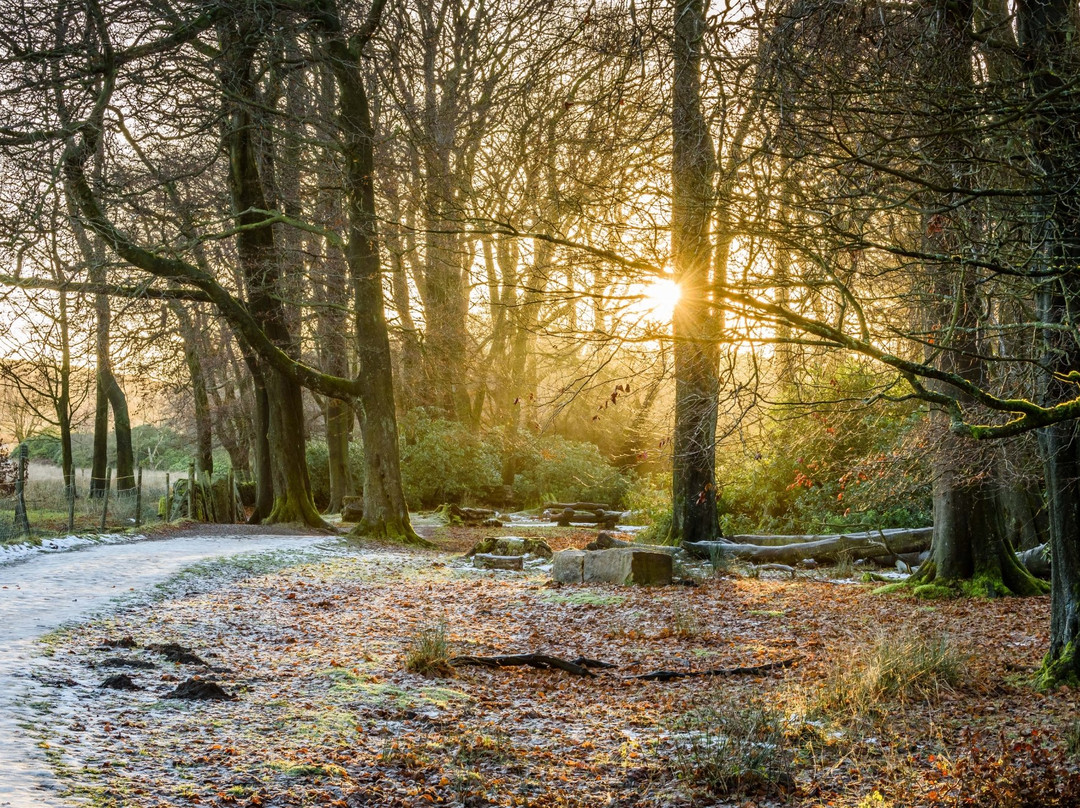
[12,553]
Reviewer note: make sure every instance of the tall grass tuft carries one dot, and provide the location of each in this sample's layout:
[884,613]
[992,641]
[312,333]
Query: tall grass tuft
[429,652]
[901,667]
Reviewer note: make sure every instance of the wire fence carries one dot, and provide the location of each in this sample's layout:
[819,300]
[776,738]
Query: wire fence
[41,504]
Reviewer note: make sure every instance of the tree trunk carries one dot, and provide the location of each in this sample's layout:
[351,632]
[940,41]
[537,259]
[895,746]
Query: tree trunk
[971,551]
[694,516]
[264,473]
[63,401]
[1047,37]
[258,257]
[204,442]
[386,513]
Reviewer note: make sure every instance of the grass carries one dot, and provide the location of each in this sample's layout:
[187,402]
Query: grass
[729,748]
[429,652]
[902,668]
[47,505]
[584,598]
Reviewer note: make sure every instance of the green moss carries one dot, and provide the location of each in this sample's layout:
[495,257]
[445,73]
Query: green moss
[290,769]
[1059,670]
[902,588]
[985,585]
[935,591]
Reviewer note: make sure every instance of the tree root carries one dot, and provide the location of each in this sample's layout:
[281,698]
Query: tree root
[392,531]
[581,666]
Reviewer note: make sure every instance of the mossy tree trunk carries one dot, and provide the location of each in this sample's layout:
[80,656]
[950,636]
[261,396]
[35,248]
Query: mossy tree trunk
[970,552]
[1048,46]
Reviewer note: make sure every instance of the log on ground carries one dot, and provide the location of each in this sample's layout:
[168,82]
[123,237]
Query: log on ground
[825,549]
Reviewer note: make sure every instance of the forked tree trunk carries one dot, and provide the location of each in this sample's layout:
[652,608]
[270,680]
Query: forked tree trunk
[971,551]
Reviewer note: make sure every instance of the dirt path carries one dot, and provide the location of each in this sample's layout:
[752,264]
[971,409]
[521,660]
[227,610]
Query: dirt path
[47,591]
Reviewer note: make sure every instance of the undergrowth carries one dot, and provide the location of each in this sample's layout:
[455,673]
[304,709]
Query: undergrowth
[997,773]
[429,652]
[729,748]
[900,668]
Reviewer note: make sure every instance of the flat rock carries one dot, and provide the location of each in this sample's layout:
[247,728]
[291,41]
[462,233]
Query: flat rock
[568,567]
[490,561]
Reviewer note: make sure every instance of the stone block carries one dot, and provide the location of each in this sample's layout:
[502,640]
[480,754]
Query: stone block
[567,567]
[490,561]
[627,565]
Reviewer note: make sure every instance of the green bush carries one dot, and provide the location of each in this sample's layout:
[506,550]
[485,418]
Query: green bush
[317,455]
[564,470]
[444,461]
[834,466]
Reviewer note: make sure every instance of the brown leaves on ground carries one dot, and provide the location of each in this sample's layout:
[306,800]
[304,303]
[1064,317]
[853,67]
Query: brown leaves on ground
[327,714]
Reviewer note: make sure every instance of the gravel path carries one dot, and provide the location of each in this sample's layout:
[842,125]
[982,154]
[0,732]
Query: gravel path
[47,591]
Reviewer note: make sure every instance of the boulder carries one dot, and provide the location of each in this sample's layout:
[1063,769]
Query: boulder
[627,565]
[489,561]
[568,567]
[512,545]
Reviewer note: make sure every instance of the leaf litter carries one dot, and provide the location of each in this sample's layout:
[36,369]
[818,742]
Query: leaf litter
[323,712]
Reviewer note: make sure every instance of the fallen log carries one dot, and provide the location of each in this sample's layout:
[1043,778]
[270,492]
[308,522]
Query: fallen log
[577,506]
[1036,561]
[539,661]
[667,676]
[581,665]
[457,515]
[563,518]
[828,549]
[889,535]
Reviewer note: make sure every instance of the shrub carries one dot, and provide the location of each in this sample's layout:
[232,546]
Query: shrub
[834,467]
[444,461]
[900,667]
[429,652]
[568,471]
[730,748]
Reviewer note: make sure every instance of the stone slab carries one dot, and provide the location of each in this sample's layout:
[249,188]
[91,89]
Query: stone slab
[567,567]
[627,565]
[490,561]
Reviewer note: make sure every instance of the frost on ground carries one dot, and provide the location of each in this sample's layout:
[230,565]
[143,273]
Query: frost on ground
[47,591]
[326,713]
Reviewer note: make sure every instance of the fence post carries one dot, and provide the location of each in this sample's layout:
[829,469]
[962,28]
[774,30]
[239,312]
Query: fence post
[105,498]
[22,520]
[191,491]
[168,499]
[71,505]
[138,498]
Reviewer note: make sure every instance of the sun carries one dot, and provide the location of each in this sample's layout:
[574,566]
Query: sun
[659,298]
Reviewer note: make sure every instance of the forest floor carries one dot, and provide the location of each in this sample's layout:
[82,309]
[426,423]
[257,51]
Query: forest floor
[886,701]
